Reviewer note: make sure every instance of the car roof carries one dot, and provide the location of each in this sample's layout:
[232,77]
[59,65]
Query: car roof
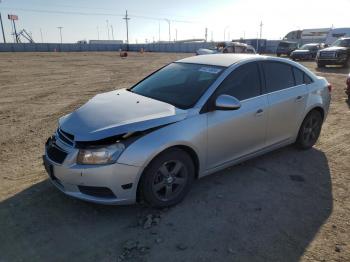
[225,60]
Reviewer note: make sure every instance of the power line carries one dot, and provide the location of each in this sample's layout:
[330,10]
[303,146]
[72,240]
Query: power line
[96,14]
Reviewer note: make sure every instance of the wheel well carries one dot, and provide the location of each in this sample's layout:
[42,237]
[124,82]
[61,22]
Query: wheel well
[319,109]
[187,149]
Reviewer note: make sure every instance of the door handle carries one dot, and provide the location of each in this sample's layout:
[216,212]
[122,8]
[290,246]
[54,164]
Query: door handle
[299,98]
[259,112]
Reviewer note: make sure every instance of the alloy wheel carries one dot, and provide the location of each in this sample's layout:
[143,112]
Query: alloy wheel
[170,180]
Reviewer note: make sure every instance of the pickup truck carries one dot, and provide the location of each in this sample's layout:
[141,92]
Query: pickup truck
[337,54]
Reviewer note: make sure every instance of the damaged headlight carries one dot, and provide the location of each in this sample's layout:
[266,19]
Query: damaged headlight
[100,155]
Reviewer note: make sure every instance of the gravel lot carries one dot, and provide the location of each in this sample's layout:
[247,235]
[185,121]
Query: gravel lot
[288,205]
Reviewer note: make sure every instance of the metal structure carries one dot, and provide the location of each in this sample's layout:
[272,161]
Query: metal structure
[24,34]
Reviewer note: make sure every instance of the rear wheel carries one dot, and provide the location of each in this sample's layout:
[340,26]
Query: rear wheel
[310,130]
[168,178]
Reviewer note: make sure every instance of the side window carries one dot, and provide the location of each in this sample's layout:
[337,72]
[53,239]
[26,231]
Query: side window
[299,76]
[242,83]
[278,76]
[307,79]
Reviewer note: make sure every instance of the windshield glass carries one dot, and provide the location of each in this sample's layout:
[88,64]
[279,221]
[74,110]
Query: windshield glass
[179,84]
[308,47]
[342,43]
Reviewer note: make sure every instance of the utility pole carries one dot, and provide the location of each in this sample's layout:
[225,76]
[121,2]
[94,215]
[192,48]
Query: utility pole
[126,18]
[212,36]
[41,35]
[107,29]
[261,26]
[60,29]
[2,27]
[206,34]
[15,31]
[158,31]
[176,34]
[169,29]
[98,33]
[112,32]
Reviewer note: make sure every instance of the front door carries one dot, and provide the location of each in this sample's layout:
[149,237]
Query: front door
[236,133]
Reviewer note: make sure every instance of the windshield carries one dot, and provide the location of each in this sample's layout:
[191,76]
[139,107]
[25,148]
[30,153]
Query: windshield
[308,47]
[342,43]
[179,84]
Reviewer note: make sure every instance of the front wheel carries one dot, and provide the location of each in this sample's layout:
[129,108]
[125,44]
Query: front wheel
[168,178]
[310,130]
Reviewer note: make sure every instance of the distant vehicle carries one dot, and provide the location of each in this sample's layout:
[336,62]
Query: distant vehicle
[347,89]
[82,42]
[286,48]
[227,47]
[189,119]
[337,54]
[317,35]
[306,52]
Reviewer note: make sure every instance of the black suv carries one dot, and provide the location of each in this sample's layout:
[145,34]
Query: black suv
[286,48]
[337,54]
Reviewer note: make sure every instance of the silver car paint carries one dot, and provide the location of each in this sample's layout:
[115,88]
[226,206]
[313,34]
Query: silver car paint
[118,112]
[217,143]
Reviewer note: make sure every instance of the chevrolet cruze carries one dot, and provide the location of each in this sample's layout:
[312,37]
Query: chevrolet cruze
[187,120]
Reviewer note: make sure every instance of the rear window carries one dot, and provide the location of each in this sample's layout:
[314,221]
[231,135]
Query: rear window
[278,76]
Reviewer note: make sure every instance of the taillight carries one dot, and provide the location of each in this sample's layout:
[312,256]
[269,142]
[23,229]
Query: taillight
[330,88]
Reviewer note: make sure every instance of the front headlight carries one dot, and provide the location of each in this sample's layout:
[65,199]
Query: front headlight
[100,155]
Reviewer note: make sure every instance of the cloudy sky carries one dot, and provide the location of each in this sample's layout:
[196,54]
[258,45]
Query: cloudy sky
[87,19]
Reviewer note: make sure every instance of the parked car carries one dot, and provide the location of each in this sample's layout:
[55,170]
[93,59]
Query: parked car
[286,48]
[337,54]
[347,89]
[227,47]
[187,120]
[306,52]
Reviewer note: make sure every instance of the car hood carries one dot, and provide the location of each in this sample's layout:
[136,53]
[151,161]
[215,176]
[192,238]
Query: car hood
[301,51]
[118,112]
[204,51]
[334,48]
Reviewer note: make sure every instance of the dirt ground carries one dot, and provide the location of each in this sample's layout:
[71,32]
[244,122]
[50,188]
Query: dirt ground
[288,205]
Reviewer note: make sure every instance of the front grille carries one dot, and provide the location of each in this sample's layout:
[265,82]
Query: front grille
[102,192]
[328,54]
[56,154]
[65,137]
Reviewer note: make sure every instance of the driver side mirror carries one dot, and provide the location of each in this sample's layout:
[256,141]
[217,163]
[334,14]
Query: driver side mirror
[226,102]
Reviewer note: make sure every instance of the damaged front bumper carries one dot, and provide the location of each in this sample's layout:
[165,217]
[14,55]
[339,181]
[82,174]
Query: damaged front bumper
[105,184]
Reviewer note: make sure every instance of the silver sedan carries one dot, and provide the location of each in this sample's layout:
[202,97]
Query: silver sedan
[187,120]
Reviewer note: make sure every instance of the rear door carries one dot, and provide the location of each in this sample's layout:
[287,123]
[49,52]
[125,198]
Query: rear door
[287,95]
[233,134]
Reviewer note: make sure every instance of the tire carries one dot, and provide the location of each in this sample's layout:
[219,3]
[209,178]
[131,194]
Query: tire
[160,183]
[347,63]
[310,130]
[278,55]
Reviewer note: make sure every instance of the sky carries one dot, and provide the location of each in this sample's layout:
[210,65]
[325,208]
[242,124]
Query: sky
[232,19]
